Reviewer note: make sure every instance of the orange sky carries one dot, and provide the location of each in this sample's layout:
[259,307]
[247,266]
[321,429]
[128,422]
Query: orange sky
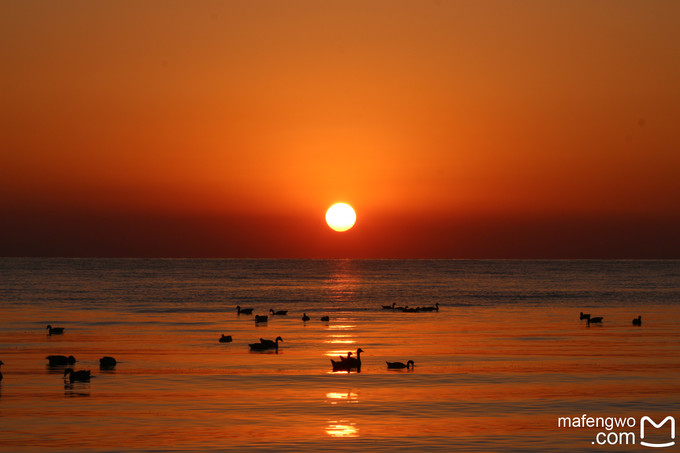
[456,129]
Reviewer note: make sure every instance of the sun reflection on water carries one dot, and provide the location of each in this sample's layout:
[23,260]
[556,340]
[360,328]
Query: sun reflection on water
[342,428]
[336,398]
[342,326]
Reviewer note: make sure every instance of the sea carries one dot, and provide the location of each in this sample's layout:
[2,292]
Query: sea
[504,364]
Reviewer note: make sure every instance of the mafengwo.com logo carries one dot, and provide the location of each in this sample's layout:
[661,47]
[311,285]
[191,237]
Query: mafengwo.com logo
[647,432]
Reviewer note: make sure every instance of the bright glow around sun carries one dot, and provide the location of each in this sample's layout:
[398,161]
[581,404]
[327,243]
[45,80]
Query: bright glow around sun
[341,217]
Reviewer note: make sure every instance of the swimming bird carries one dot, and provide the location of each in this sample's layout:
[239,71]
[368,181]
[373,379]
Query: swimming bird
[595,320]
[225,338]
[264,345]
[353,362]
[399,365]
[54,330]
[348,363]
[107,362]
[325,318]
[389,307]
[435,308]
[56,360]
[279,313]
[261,318]
[340,366]
[585,316]
[80,375]
[270,343]
[1,371]
[305,317]
[637,321]
[245,311]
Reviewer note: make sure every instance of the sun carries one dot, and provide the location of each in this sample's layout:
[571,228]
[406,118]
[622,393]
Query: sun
[341,217]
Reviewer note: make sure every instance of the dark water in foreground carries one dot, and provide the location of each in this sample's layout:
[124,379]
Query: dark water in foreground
[502,359]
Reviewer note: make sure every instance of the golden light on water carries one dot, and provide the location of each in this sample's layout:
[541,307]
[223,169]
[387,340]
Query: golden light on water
[342,428]
[341,327]
[349,397]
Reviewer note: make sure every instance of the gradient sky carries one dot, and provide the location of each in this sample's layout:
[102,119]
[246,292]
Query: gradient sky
[456,129]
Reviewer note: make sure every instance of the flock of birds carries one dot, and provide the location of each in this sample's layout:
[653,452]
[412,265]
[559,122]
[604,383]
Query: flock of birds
[598,319]
[344,363]
[105,363]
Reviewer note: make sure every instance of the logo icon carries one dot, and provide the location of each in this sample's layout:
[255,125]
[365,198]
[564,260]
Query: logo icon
[657,425]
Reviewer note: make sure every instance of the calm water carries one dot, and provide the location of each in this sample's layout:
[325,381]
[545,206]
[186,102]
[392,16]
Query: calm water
[504,357]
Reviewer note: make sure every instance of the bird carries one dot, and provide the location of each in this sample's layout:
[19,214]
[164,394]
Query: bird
[595,320]
[389,307]
[225,338]
[107,362]
[245,311]
[399,365]
[270,343]
[348,363]
[1,371]
[80,375]
[305,317]
[410,310]
[349,354]
[637,321]
[435,308]
[56,360]
[261,318]
[353,362]
[585,316]
[280,312]
[340,366]
[54,330]
[264,345]
[325,318]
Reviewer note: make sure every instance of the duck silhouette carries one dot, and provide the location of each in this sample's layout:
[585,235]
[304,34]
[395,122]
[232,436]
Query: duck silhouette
[637,321]
[57,360]
[270,343]
[325,318]
[348,363]
[107,362]
[305,317]
[389,307]
[261,318]
[54,330]
[278,313]
[225,338]
[264,345]
[243,311]
[80,375]
[353,362]
[584,316]
[400,365]
[595,320]
[1,371]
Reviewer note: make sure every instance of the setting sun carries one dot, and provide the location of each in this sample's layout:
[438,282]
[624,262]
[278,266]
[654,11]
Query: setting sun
[341,217]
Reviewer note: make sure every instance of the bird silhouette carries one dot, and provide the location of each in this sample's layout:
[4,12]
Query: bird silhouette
[107,362]
[56,360]
[399,365]
[80,375]
[244,311]
[54,330]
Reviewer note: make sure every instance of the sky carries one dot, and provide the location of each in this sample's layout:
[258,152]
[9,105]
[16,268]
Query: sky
[456,129]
